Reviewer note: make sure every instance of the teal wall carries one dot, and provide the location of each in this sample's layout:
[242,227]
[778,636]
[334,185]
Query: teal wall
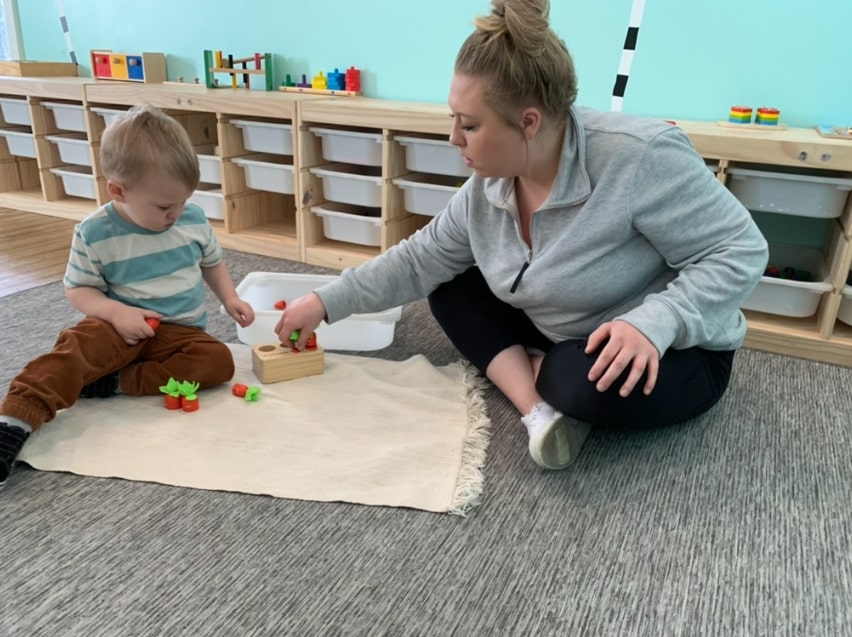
[694,59]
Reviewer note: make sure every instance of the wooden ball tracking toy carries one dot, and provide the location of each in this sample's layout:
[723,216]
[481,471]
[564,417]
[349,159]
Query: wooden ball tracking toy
[275,362]
[216,62]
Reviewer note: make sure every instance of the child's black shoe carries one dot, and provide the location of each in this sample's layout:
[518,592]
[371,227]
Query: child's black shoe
[103,387]
[12,439]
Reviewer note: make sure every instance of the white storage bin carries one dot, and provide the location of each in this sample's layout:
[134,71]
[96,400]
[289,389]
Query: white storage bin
[785,296]
[805,195]
[78,181]
[15,111]
[352,224]
[211,201]
[73,148]
[109,115]
[434,156]
[845,312]
[268,172]
[266,137]
[67,116]
[210,164]
[20,141]
[351,147]
[344,183]
[359,332]
[428,194]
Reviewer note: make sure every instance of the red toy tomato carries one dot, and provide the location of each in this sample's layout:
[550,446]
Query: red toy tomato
[171,402]
[280,305]
[189,404]
[153,321]
[239,390]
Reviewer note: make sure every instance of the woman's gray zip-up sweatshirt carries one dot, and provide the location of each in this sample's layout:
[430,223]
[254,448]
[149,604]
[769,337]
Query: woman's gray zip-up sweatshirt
[636,228]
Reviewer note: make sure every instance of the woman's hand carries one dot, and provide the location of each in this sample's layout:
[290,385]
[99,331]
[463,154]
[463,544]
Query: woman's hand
[626,347]
[303,314]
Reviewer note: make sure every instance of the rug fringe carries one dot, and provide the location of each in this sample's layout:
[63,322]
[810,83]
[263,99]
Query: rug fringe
[471,479]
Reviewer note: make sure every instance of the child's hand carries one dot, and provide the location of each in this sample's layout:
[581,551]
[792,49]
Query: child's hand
[240,311]
[134,324]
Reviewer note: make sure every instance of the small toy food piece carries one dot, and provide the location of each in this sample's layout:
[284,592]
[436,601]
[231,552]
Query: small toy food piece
[772,270]
[239,390]
[280,305]
[311,343]
[172,398]
[153,321]
[253,393]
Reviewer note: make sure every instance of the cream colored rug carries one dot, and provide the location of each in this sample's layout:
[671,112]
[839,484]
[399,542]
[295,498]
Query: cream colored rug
[368,431]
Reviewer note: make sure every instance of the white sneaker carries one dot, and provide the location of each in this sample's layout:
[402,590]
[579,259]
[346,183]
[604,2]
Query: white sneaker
[555,439]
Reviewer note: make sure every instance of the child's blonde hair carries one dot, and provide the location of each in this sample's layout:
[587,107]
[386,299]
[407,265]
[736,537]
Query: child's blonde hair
[524,62]
[144,140]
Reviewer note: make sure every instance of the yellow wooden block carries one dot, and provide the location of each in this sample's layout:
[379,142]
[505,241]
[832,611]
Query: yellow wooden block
[275,362]
[118,66]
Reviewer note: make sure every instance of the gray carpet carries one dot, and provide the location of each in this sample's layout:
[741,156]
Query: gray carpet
[737,523]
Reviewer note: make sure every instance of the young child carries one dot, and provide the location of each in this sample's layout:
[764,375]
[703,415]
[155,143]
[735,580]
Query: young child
[136,270]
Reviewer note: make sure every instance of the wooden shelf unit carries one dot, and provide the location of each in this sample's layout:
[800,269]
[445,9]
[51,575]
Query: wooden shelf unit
[284,226]
[820,337]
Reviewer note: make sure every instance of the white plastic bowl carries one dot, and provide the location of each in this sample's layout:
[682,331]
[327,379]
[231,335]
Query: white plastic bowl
[359,332]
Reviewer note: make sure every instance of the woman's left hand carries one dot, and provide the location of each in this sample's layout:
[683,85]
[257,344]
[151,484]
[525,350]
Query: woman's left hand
[626,347]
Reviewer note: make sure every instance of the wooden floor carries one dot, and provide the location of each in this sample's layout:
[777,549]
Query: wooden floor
[33,249]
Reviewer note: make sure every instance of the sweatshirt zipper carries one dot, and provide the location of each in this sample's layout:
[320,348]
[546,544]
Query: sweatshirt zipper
[518,278]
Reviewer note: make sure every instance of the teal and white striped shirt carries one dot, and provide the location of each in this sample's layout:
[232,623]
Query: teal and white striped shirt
[159,271]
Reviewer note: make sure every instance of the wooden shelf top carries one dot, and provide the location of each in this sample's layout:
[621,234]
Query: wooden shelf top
[803,147]
[72,88]
[421,117]
[190,96]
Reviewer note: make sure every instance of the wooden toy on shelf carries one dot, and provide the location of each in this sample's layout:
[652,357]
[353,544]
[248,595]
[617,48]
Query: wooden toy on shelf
[32,68]
[766,118]
[275,362]
[741,114]
[215,62]
[127,67]
[332,83]
[835,132]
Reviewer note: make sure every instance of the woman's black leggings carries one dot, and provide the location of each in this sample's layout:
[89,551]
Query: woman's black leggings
[480,325]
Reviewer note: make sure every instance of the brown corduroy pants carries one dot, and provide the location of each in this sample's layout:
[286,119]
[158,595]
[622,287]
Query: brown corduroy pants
[92,349]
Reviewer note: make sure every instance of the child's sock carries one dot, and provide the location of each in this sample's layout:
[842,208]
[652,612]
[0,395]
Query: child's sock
[16,422]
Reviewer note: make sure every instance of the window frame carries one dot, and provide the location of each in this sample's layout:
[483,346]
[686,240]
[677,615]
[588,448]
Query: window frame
[10,10]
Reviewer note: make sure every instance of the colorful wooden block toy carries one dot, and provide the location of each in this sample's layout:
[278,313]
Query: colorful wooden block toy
[332,83]
[128,67]
[275,362]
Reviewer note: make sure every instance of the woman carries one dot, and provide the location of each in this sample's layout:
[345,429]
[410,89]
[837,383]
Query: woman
[592,267]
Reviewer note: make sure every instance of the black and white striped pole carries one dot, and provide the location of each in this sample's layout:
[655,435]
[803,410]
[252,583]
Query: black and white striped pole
[627,54]
[64,21]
